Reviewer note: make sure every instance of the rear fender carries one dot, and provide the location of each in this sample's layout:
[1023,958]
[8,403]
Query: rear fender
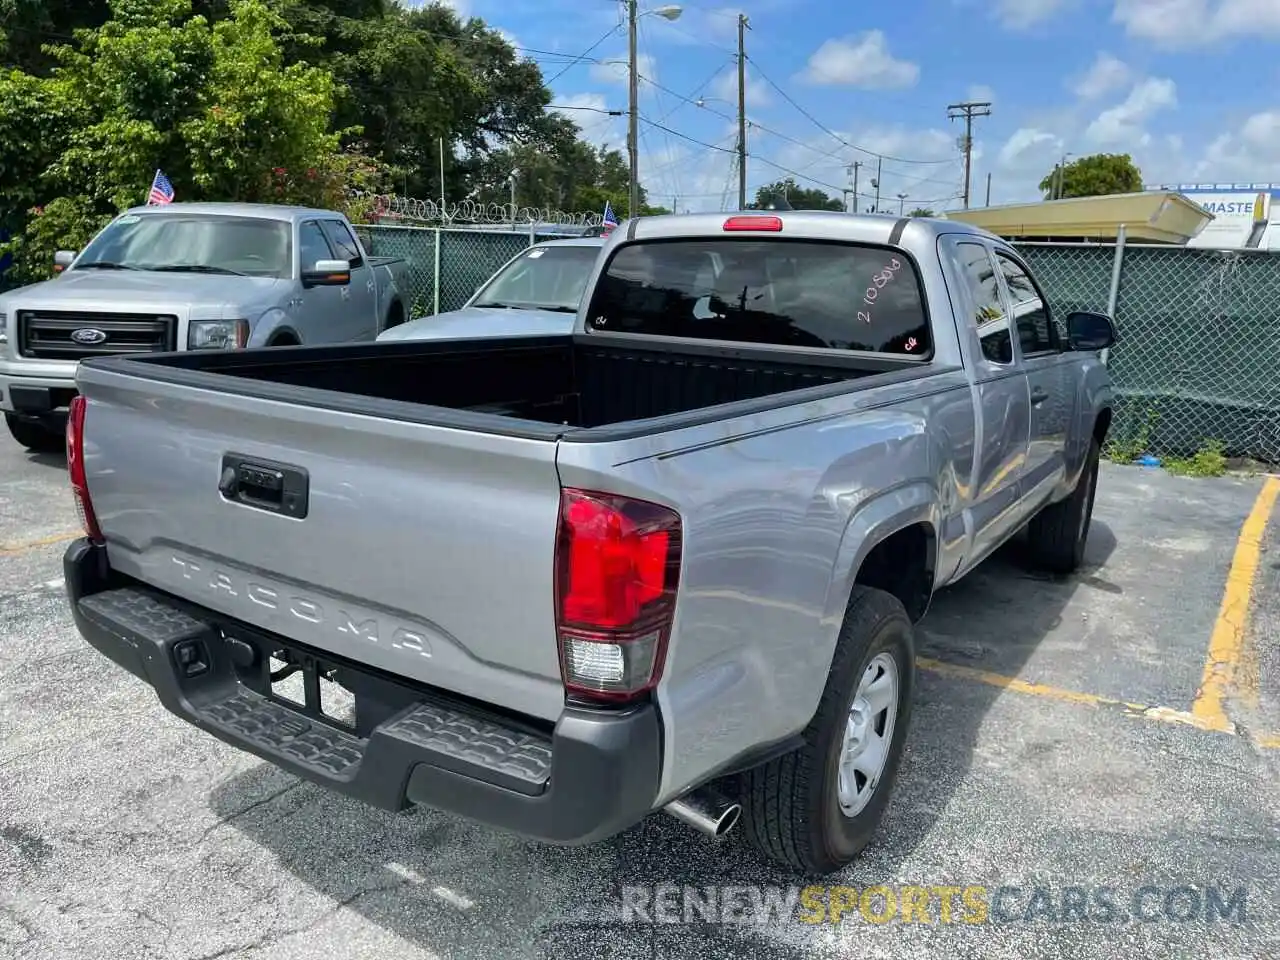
[891,510]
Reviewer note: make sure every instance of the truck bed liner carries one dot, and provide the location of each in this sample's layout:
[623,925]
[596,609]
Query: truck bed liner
[592,388]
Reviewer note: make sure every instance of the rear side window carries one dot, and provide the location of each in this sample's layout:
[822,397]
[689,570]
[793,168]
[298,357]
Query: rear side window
[796,293]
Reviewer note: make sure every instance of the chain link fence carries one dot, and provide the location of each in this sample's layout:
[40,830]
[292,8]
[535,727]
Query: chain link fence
[446,266]
[1198,353]
[1198,357]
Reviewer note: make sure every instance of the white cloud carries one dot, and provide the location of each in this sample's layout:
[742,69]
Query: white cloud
[590,112]
[617,69]
[863,60]
[981,93]
[1244,155]
[1178,23]
[1124,124]
[1028,149]
[1106,75]
[1021,14]
[725,87]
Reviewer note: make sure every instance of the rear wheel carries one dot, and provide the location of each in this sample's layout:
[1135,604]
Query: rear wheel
[36,435]
[815,809]
[1058,533]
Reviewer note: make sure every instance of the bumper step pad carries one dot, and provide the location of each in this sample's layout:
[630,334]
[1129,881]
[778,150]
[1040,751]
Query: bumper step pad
[426,732]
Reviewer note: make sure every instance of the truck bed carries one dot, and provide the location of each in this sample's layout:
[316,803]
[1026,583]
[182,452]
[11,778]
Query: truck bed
[540,387]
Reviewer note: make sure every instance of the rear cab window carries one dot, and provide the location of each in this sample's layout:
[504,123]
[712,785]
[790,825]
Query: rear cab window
[797,293]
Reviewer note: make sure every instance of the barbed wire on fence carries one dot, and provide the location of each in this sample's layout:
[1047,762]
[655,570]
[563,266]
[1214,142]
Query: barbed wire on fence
[395,207]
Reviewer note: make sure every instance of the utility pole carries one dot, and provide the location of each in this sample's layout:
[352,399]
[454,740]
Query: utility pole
[633,114]
[853,169]
[743,27]
[988,189]
[968,110]
[876,183]
[1060,181]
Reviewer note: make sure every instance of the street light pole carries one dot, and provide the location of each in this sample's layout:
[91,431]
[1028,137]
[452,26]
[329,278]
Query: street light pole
[633,114]
[670,12]
[743,26]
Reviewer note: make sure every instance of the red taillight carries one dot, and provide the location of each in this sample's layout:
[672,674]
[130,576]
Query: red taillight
[617,568]
[75,468]
[770,224]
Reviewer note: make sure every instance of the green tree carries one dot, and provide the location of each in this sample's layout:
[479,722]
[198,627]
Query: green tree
[411,78]
[156,87]
[798,197]
[1097,175]
[921,212]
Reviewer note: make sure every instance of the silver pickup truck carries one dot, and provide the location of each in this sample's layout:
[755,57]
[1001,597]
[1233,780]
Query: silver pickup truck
[670,561]
[188,276]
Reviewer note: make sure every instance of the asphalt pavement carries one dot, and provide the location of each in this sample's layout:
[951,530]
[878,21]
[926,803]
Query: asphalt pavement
[1070,789]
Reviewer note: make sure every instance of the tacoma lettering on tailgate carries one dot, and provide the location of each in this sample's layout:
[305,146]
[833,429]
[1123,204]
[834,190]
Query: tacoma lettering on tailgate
[360,625]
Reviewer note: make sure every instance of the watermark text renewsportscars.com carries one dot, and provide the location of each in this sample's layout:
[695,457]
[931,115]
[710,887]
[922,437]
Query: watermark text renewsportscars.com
[881,904]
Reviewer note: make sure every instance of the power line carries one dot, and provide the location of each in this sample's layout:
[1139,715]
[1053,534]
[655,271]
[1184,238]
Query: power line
[756,125]
[581,57]
[831,133]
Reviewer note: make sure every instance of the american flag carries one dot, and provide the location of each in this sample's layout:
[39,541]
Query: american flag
[609,219]
[161,190]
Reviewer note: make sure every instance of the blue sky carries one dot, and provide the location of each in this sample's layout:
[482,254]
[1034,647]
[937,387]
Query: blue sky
[1188,87]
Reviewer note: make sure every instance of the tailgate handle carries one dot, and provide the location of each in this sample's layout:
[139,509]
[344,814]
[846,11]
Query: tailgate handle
[265,485]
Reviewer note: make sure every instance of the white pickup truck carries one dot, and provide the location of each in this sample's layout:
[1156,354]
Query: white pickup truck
[188,276]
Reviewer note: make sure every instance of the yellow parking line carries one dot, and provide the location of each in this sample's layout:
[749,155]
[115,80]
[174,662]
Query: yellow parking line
[1161,714]
[1227,644]
[8,549]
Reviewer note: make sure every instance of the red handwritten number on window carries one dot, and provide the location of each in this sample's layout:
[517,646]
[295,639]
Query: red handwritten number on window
[877,283]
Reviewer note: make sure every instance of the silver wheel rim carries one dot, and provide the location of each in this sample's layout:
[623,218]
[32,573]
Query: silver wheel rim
[868,733]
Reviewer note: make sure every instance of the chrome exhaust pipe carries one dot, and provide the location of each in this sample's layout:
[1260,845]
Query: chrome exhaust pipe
[707,811]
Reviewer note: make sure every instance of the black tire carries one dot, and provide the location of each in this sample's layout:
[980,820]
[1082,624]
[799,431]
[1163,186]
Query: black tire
[284,340]
[1056,536]
[395,316]
[791,812]
[36,436]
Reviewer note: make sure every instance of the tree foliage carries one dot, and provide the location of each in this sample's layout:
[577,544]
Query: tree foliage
[325,102]
[797,197]
[921,212]
[1097,175]
[155,87]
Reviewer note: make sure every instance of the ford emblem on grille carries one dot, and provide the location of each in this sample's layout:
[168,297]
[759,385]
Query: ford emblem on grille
[88,335]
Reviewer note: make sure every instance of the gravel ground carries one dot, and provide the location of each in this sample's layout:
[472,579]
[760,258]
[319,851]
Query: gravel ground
[126,834]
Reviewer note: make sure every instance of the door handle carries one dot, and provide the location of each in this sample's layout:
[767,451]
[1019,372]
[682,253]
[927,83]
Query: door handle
[1038,395]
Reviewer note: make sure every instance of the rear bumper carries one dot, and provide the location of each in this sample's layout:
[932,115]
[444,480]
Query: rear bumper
[595,774]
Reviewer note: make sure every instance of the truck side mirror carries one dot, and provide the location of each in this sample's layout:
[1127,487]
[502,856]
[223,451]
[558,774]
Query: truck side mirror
[327,273]
[63,259]
[1087,330]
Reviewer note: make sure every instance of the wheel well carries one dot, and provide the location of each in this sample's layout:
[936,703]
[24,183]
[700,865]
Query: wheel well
[1102,425]
[902,564]
[395,313]
[283,339]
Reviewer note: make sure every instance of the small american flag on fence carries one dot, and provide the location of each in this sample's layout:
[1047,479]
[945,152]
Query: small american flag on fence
[161,190]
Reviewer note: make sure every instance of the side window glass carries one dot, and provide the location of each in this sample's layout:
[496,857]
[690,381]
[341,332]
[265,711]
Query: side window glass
[343,242]
[312,245]
[1036,331]
[989,318]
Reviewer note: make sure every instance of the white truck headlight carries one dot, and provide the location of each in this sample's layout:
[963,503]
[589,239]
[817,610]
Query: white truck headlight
[217,334]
